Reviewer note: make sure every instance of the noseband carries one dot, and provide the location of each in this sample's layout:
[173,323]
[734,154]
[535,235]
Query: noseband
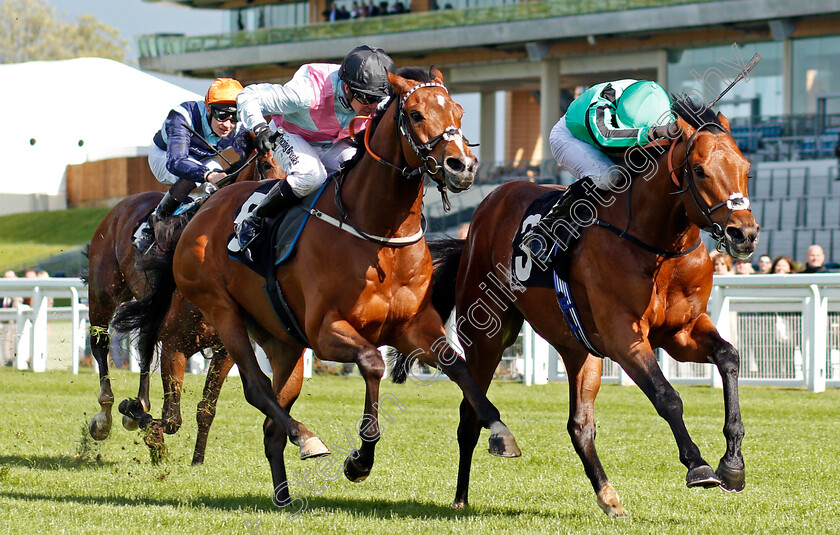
[734,203]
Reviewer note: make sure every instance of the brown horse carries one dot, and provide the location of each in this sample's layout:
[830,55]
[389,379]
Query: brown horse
[113,279]
[349,292]
[635,289]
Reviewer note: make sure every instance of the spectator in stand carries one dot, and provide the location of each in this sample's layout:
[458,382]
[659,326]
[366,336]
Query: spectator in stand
[814,260]
[722,263]
[783,265]
[398,8]
[383,8]
[331,14]
[743,267]
[765,263]
[372,9]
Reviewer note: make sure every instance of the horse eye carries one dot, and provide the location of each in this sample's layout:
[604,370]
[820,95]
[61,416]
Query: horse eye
[698,171]
[416,116]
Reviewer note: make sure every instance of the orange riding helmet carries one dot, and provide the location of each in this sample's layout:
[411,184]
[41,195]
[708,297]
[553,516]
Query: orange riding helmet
[223,91]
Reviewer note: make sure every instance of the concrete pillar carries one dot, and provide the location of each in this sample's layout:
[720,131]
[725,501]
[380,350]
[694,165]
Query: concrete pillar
[662,68]
[549,101]
[487,127]
[787,77]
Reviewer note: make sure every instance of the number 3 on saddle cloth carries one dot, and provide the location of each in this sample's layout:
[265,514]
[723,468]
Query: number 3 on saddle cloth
[530,272]
[274,245]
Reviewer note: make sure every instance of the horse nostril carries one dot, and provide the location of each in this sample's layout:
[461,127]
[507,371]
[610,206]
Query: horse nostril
[735,235]
[454,164]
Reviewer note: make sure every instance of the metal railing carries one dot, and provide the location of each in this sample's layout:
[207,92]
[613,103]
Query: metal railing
[165,44]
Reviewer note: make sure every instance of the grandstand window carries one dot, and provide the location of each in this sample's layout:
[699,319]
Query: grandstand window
[815,74]
[707,71]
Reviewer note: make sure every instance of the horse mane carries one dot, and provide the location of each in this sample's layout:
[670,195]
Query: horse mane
[411,73]
[695,113]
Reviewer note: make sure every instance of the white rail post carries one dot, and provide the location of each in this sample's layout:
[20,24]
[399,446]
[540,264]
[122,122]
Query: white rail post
[23,344]
[528,353]
[39,331]
[815,334]
[541,350]
[308,362]
[722,319]
[77,341]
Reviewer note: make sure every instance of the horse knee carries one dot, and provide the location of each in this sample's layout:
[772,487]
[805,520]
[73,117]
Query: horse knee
[581,429]
[668,402]
[728,359]
[205,414]
[371,364]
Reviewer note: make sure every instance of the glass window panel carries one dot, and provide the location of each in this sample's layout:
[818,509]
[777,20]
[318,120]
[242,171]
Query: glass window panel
[705,72]
[815,73]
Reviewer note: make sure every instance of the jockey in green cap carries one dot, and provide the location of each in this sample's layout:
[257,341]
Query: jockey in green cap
[603,122]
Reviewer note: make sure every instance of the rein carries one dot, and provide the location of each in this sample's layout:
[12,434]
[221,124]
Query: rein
[430,166]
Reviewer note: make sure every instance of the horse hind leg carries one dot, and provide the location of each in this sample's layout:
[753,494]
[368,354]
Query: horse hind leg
[100,425]
[220,366]
[135,411]
[584,372]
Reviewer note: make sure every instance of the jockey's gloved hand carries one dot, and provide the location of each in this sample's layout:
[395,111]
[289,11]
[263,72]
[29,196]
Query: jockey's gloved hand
[264,141]
[670,131]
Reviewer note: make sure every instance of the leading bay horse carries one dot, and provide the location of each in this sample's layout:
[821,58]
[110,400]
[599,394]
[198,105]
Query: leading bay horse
[113,279]
[640,280]
[350,293]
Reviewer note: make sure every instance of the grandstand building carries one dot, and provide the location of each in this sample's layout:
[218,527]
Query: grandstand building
[541,54]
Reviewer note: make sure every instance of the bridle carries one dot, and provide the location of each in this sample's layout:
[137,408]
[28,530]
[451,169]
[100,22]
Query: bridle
[734,203]
[430,165]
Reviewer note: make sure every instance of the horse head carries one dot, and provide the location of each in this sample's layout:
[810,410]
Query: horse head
[430,124]
[714,180]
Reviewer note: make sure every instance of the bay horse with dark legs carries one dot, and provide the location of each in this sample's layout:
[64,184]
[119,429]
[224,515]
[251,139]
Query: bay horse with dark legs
[113,279]
[636,290]
[350,293]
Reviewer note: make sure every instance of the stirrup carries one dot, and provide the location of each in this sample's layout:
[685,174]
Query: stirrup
[246,233]
[146,240]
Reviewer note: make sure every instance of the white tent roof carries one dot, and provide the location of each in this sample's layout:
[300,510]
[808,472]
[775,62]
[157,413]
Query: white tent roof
[76,110]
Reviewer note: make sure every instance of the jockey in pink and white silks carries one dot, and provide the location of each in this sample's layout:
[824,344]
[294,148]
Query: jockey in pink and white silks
[311,115]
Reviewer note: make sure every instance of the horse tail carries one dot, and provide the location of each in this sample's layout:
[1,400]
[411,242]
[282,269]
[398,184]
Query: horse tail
[398,363]
[446,257]
[147,314]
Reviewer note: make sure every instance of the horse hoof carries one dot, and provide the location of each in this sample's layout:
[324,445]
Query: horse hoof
[130,423]
[313,447]
[502,442]
[702,476]
[100,426]
[732,480]
[353,471]
[145,420]
[608,501]
[459,506]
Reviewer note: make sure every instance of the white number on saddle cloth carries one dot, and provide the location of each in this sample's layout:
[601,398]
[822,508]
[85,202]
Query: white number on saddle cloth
[522,262]
[247,207]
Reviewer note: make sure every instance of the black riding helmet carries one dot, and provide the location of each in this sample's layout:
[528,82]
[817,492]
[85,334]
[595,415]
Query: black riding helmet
[365,69]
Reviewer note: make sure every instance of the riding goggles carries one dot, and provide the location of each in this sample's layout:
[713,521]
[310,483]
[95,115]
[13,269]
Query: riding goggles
[364,98]
[223,114]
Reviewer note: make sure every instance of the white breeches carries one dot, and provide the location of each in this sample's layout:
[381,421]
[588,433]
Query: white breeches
[581,158]
[308,165]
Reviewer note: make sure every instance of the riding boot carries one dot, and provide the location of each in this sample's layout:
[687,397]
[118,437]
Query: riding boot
[278,198]
[165,208]
[542,249]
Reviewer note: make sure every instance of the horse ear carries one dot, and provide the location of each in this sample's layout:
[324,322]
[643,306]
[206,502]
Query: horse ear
[400,84]
[724,122]
[436,75]
[687,129]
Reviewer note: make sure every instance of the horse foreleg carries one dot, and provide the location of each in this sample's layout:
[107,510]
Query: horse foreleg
[220,366]
[340,342]
[427,341]
[173,365]
[136,411]
[100,425]
[584,372]
[640,364]
[701,344]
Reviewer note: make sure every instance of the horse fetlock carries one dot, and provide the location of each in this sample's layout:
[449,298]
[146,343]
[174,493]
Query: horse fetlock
[732,479]
[702,476]
[609,502]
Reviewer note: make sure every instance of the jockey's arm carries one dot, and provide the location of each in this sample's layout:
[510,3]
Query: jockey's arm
[259,100]
[179,162]
[610,133]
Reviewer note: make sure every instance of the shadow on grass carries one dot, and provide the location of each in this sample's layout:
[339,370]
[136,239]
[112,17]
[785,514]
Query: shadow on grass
[51,462]
[262,505]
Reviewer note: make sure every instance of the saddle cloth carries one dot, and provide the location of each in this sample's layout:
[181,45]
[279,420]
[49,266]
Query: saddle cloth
[554,273]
